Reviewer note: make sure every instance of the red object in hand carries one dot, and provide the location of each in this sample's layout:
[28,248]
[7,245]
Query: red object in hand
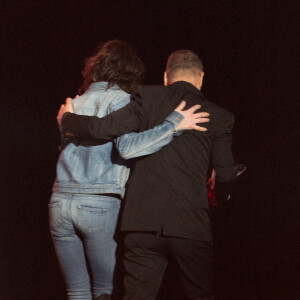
[211,197]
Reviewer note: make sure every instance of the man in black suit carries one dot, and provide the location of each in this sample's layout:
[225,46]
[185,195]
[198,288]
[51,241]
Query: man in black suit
[165,216]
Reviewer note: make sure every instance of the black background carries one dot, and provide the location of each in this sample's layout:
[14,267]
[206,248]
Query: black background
[249,53]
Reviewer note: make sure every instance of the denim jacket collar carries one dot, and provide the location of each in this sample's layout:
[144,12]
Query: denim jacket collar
[102,85]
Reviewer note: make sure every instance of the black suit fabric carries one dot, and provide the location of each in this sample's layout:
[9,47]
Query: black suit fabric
[167,190]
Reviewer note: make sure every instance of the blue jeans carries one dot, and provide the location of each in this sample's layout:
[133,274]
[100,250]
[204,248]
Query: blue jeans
[82,228]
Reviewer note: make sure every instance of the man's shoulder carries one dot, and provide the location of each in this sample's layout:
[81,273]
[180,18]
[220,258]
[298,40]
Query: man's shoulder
[148,89]
[150,94]
[218,110]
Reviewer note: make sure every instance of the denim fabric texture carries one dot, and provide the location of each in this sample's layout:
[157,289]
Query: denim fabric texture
[82,229]
[95,169]
[133,144]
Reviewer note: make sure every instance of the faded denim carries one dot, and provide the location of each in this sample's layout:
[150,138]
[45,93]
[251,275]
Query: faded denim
[82,229]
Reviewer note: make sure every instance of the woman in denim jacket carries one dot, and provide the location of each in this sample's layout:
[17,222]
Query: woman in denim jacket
[91,180]
[91,177]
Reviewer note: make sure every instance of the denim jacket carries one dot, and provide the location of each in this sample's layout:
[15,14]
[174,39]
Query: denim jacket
[100,169]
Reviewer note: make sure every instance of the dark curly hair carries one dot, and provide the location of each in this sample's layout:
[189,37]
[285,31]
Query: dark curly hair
[117,63]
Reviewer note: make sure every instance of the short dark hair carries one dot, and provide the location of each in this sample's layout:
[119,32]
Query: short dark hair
[182,60]
[117,63]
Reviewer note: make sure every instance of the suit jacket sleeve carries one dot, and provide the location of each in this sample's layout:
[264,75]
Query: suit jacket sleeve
[125,120]
[222,158]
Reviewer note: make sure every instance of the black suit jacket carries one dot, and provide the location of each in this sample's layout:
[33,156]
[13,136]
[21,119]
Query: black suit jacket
[167,190]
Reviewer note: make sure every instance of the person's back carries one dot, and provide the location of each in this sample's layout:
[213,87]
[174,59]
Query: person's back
[165,217]
[173,180]
[94,169]
[91,177]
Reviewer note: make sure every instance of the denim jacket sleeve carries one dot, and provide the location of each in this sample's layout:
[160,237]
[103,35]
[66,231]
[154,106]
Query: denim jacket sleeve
[147,142]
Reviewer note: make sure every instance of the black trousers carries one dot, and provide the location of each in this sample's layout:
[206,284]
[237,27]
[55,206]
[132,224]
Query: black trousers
[147,255]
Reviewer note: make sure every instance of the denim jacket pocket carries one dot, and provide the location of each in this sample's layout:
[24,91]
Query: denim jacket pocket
[91,219]
[55,216]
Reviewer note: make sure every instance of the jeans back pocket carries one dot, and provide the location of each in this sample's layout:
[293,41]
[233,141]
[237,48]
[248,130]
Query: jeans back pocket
[91,219]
